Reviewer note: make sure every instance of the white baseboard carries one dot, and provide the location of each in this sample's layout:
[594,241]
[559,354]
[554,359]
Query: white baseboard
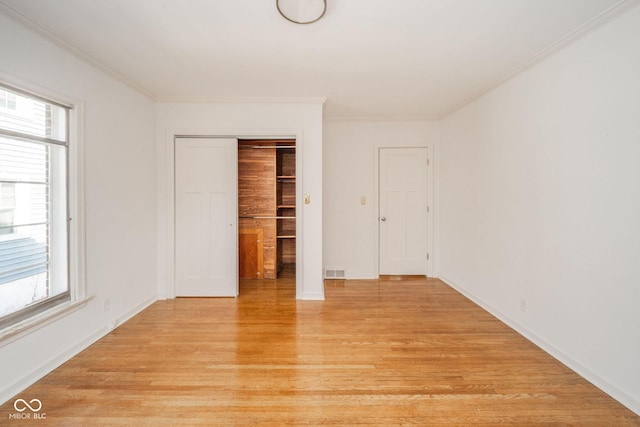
[31,377]
[313,296]
[129,314]
[626,399]
[39,372]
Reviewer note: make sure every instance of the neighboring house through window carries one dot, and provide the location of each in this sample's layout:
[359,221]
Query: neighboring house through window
[34,234]
[7,100]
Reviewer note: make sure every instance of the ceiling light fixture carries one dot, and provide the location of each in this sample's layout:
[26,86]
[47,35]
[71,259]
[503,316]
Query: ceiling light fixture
[302,11]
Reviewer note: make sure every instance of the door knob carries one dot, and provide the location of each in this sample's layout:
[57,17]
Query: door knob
[383,219]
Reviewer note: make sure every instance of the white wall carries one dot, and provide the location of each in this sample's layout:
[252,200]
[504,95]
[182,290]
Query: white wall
[351,229]
[119,171]
[540,203]
[248,119]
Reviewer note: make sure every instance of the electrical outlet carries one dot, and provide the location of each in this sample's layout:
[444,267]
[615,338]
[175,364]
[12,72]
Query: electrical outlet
[106,305]
[523,305]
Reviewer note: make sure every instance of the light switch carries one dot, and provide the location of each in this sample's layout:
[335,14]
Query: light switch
[307,198]
[363,200]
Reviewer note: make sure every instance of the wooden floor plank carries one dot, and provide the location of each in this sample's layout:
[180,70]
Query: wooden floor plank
[396,351]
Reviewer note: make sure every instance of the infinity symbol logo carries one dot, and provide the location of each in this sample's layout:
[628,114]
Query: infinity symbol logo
[24,405]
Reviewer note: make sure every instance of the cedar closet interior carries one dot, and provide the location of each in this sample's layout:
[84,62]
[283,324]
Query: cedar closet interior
[267,208]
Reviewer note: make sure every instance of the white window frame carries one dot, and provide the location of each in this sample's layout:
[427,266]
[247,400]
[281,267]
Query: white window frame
[76,216]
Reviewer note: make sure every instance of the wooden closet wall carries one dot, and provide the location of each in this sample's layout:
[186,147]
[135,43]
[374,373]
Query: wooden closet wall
[266,206]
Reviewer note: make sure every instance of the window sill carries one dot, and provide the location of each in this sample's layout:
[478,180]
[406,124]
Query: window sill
[27,326]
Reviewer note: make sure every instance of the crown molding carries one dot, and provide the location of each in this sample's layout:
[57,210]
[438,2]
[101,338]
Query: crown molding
[239,100]
[580,32]
[382,119]
[17,17]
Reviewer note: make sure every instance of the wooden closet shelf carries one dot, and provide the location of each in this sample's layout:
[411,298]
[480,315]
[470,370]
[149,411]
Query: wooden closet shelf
[268,217]
[267,202]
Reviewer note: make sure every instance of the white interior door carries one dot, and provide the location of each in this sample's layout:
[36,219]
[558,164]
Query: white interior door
[403,210]
[206,235]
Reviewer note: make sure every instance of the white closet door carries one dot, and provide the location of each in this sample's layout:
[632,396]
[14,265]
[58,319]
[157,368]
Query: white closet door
[403,211]
[206,235]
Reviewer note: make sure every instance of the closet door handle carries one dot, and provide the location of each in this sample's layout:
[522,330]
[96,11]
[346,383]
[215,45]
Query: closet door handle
[383,219]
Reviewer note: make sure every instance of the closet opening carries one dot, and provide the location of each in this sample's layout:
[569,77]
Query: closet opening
[267,208]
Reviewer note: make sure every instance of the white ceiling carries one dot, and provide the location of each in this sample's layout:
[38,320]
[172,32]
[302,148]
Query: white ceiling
[394,59]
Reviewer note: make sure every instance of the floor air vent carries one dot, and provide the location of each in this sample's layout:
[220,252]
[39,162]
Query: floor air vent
[334,274]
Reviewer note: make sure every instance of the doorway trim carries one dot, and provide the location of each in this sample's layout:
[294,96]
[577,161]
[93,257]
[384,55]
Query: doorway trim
[171,136]
[430,202]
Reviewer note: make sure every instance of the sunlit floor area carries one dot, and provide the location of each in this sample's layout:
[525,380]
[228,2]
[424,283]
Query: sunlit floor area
[376,352]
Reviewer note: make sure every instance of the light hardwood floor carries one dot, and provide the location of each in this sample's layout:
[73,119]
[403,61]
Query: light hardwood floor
[387,352]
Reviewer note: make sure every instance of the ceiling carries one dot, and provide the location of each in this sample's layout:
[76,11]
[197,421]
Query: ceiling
[392,59]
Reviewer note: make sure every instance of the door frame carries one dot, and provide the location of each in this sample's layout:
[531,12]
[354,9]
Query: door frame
[170,194]
[430,202]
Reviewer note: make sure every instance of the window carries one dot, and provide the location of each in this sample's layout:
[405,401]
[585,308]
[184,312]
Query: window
[34,234]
